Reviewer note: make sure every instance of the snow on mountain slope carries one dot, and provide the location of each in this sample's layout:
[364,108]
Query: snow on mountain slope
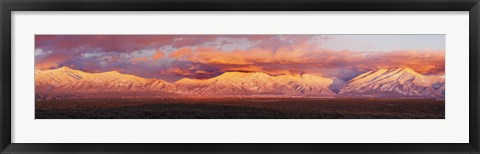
[307,84]
[238,83]
[66,80]
[256,83]
[394,82]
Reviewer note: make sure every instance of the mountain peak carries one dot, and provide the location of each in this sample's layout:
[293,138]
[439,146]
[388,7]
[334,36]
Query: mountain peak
[391,71]
[385,82]
[399,69]
[308,75]
[409,70]
[406,70]
[113,72]
[67,80]
[392,81]
[64,68]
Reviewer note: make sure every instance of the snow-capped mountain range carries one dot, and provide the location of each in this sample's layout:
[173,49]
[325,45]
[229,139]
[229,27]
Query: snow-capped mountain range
[395,82]
[65,82]
[257,83]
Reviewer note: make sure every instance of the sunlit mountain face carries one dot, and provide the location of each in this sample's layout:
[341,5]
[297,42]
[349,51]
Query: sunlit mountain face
[63,83]
[239,66]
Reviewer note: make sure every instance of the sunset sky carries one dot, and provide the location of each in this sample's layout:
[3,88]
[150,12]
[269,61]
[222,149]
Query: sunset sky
[172,57]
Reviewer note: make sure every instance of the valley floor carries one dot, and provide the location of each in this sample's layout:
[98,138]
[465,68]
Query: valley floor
[260,108]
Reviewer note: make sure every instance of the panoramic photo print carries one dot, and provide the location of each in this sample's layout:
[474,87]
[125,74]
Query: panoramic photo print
[240,76]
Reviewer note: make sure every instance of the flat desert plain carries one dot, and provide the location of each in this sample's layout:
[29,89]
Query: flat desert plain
[242,108]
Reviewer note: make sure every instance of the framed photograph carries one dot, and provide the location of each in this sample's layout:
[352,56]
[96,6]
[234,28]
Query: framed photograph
[314,76]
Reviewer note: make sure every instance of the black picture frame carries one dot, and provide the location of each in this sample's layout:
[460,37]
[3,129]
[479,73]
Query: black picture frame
[7,6]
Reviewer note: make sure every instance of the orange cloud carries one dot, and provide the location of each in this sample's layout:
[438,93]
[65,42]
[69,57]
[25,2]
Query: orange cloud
[203,55]
[180,53]
[136,60]
[46,65]
[50,62]
[424,62]
[303,57]
[158,55]
[242,68]
[302,53]
[178,71]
